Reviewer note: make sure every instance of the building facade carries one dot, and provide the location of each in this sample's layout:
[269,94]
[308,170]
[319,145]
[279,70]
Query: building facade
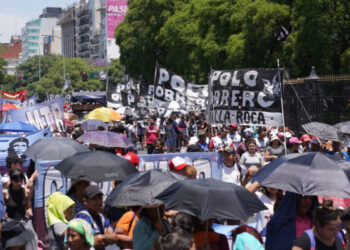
[12,54]
[67,21]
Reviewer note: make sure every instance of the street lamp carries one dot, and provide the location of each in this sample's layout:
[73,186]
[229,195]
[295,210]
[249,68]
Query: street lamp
[63,63]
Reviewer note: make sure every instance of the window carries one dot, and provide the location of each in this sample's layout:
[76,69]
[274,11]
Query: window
[33,30]
[32,44]
[33,37]
[32,51]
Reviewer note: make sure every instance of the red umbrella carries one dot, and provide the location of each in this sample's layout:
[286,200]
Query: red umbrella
[68,123]
[8,106]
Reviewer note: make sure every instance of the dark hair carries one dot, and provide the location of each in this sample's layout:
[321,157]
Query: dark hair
[15,174]
[346,214]
[175,240]
[326,213]
[183,221]
[251,141]
[246,229]
[13,159]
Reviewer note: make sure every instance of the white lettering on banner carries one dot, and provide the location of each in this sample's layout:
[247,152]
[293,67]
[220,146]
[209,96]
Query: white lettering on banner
[150,89]
[250,78]
[163,76]
[262,101]
[116,97]
[131,99]
[118,9]
[245,117]
[35,121]
[177,83]
[215,76]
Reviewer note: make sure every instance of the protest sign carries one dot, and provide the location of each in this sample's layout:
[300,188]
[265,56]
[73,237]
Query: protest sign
[246,97]
[114,92]
[170,87]
[51,180]
[42,115]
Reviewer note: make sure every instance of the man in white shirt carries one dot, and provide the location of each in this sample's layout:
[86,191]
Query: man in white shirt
[219,142]
[231,171]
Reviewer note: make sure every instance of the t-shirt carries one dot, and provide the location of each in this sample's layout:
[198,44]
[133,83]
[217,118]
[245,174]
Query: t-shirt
[248,160]
[302,224]
[261,143]
[263,217]
[217,142]
[279,151]
[128,222]
[304,243]
[236,139]
[232,174]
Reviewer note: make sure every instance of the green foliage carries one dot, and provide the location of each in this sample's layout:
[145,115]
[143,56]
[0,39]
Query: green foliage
[51,81]
[190,37]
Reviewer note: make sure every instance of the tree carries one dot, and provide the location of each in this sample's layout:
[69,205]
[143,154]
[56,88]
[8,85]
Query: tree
[190,37]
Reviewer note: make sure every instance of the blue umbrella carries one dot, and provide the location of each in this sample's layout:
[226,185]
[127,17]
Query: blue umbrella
[92,124]
[17,127]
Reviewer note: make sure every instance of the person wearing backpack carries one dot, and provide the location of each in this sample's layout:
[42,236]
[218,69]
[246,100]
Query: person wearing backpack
[232,171]
[325,235]
[102,229]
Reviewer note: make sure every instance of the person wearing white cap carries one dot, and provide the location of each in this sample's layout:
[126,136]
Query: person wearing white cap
[275,149]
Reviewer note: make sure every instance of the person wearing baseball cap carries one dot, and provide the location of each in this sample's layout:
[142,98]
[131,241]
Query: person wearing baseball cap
[233,135]
[293,145]
[178,165]
[133,158]
[102,229]
[305,147]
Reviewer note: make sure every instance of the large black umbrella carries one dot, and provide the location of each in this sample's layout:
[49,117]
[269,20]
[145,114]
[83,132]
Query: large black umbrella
[344,127]
[323,131]
[210,199]
[307,174]
[141,188]
[54,148]
[97,166]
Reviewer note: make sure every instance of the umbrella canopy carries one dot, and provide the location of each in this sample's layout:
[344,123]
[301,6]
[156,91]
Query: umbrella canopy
[106,139]
[344,127]
[210,199]
[91,125]
[104,114]
[8,106]
[323,131]
[54,148]
[141,188]
[307,174]
[125,111]
[97,166]
[17,127]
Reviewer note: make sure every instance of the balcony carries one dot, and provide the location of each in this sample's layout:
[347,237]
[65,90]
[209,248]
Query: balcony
[83,12]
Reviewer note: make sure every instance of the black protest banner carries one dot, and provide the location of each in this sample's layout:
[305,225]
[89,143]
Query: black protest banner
[246,97]
[114,92]
[170,87]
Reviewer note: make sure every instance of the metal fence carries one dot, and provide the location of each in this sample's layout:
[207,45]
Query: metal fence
[326,99]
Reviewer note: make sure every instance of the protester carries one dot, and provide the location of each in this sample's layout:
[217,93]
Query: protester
[181,128]
[316,145]
[219,142]
[125,227]
[246,237]
[275,149]
[17,200]
[232,171]
[151,135]
[261,140]
[93,200]
[170,136]
[133,158]
[79,235]
[158,147]
[305,146]
[325,234]
[150,226]
[176,240]
[252,158]
[178,165]
[293,145]
[59,209]
[76,192]
[346,224]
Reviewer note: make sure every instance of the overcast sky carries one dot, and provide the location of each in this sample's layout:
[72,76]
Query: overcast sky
[15,13]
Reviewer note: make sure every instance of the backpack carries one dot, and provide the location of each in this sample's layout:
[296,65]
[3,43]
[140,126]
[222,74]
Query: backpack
[311,235]
[95,226]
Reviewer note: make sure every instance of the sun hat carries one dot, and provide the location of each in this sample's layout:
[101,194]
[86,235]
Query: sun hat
[274,137]
[294,140]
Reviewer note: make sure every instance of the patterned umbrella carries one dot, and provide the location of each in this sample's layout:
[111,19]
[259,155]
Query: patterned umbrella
[106,139]
[104,114]
[323,131]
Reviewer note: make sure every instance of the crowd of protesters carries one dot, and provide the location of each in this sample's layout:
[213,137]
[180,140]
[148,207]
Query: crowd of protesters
[79,219]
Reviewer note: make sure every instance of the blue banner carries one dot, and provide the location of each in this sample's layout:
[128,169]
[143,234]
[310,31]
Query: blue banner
[42,115]
[31,101]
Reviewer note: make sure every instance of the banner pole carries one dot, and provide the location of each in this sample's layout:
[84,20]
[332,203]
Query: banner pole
[283,121]
[154,85]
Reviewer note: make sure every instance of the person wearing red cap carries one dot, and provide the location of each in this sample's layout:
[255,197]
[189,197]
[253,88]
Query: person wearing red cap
[233,135]
[179,166]
[293,145]
[133,158]
[305,147]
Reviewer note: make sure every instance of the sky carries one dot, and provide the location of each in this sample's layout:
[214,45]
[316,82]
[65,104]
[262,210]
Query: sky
[15,13]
